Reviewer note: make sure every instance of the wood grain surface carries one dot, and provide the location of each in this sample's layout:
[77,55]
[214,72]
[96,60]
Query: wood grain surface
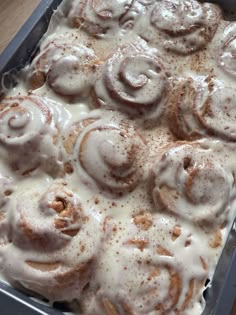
[13,14]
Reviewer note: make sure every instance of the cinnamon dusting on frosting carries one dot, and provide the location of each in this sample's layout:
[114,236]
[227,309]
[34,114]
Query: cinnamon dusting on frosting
[117,157]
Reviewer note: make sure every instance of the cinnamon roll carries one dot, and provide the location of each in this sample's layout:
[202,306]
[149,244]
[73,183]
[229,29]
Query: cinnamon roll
[217,114]
[191,183]
[29,131]
[227,58]
[184,100]
[52,236]
[138,8]
[48,221]
[102,207]
[137,275]
[187,25]
[134,80]
[68,68]
[108,152]
[75,131]
[203,107]
[97,17]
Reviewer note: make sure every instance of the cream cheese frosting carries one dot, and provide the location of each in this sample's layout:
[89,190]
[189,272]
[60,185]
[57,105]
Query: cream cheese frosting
[117,157]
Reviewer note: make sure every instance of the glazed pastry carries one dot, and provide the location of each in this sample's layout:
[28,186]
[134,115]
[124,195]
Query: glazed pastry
[97,17]
[68,67]
[187,24]
[190,182]
[184,100]
[200,107]
[159,285]
[217,114]
[227,59]
[45,226]
[101,204]
[139,7]
[134,80]
[61,210]
[29,128]
[108,152]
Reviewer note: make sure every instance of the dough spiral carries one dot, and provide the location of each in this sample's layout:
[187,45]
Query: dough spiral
[49,221]
[108,152]
[52,236]
[135,81]
[189,182]
[187,24]
[23,119]
[68,67]
[97,17]
[29,128]
[203,107]
[158,285]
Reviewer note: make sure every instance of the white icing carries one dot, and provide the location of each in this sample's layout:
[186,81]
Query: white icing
[135,276]
[125,56]
[38,234]
[70,68]
[203,106]
[96,16]
[227,58]
[111,152]
[189,181]
[134,80]
[188,24]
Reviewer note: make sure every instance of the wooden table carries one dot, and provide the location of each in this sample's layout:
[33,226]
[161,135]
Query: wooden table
[13,14]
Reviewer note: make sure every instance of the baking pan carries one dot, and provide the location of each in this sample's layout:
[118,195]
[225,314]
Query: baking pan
[23,47]
[18,53]
[220,295]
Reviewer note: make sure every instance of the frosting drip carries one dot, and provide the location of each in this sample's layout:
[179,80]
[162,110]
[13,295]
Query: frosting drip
[100,201]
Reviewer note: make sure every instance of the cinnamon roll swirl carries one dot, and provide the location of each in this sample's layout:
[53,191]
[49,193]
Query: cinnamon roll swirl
[134,80]
[75,131]
[217,114]
[28,132]
[186,24]
[191,183]
[67,67]
[184,100]
[52,236]
[108,152]
[97,17]
[227,58]
[203,107]
[48,221]
[138,8]
[144,277]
